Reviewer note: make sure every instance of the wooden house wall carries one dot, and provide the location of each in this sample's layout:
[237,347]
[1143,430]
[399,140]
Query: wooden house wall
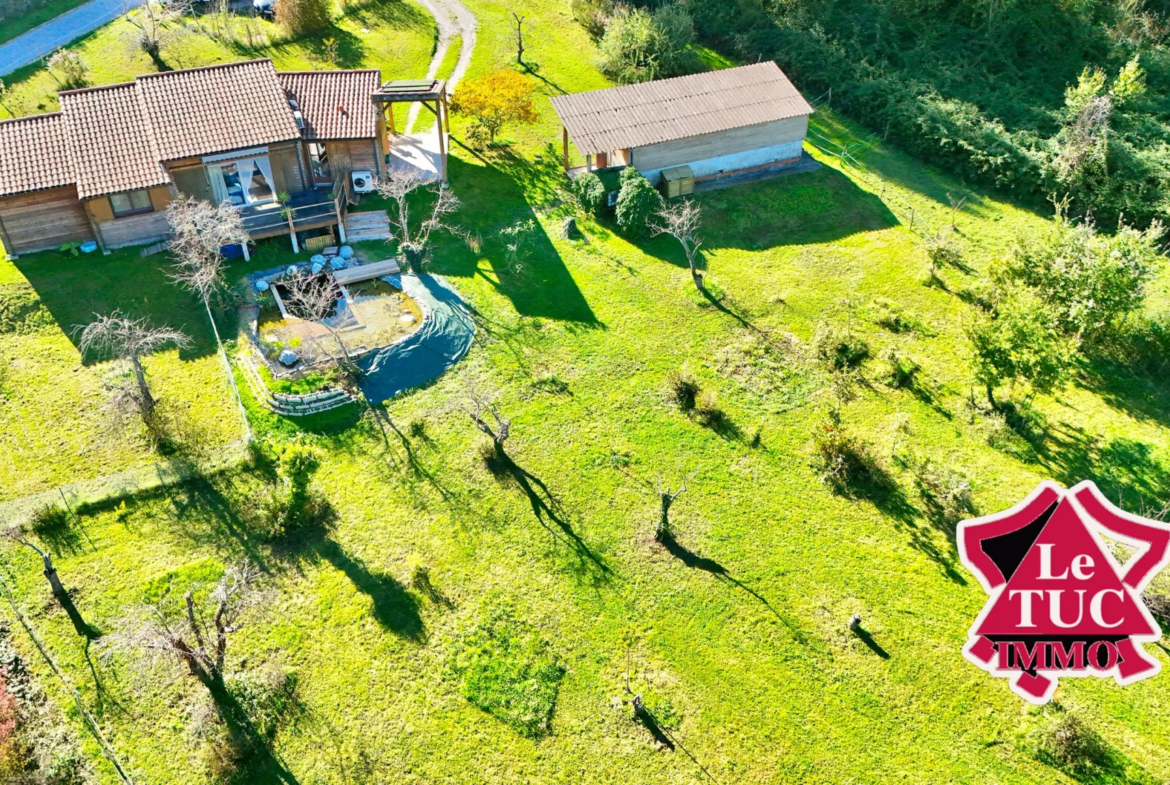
[42,220]
[737,140]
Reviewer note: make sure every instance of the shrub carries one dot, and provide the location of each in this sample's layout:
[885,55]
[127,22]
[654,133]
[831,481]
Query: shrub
[900,369]
[593,15]
[946,494]
[267,697]
[897,319]
[1022,342]
[1091,281]
[589,192]
[637,203]
[839,348]
[943,251]
[68,68]
[640,45]
[1072,745]
[302,16]
[684,388]
[844,461]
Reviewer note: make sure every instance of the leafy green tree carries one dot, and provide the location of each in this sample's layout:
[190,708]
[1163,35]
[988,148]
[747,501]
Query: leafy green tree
[1091,281]
[637,203]
[1022,342]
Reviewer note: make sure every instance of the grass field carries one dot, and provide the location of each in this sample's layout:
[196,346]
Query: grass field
[395,35]
[546,589]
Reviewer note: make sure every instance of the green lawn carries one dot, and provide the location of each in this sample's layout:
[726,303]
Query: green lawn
[17,24]
[736,635]
[394,35]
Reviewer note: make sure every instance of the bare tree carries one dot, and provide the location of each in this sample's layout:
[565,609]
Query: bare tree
[519,25]
[156,25]
[314,297]
[1083,135]
[194,636]
[397,186]
[125,338]
[957,203]
[681,220]
[481,407]
[664,529]
[199,232]
[17,535]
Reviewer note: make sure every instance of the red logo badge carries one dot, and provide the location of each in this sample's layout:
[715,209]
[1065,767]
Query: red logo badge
[1059,603]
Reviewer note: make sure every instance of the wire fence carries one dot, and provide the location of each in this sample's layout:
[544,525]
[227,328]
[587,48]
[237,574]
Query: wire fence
[906,212]
[126,484]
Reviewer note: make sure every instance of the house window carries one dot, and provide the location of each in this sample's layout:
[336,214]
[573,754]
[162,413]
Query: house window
[131,203]
[247,181]
[319,159]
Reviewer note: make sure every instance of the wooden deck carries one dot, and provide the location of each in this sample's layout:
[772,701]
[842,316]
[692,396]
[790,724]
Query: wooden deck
[364,272]
[310,210]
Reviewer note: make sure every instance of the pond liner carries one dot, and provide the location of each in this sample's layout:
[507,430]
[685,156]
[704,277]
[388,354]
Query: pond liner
[444,337]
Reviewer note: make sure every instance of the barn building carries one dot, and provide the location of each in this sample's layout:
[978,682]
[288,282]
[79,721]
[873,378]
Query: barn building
[716,123]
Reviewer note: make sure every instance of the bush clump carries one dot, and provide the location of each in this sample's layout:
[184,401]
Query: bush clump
[901,371]
[589,192]
[639,45]
[684,388]
[839,347]
[637,203]
[844,461]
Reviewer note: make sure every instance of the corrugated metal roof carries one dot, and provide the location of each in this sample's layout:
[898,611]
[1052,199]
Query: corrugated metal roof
[668,109]
[335,104]
[33,154]
[113,148]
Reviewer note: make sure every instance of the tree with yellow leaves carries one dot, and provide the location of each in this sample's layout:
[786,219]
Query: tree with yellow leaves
[493,100]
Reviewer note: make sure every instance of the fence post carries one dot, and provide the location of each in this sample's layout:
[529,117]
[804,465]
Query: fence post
[829,103]
[911,216]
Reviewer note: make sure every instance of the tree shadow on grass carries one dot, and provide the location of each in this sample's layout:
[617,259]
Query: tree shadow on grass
[199,502]
[695,562]
[1129,472]
[391,12]
[550,514]
[257,763]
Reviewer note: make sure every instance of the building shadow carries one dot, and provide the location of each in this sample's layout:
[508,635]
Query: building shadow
[499,193]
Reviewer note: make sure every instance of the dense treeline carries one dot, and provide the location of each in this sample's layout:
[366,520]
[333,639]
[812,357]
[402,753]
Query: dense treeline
[1035,97]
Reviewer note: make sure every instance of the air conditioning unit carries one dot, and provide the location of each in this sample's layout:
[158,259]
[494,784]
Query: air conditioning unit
[363,182]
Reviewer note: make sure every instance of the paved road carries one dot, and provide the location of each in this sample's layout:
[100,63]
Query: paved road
[52,35]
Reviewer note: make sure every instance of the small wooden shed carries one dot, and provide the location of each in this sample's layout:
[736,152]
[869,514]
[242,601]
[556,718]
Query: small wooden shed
[716,123]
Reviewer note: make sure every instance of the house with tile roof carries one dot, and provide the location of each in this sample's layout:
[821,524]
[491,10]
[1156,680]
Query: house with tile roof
[281,147]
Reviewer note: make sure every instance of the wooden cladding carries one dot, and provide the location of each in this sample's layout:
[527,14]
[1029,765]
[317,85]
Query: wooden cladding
[42,220]
[739,140]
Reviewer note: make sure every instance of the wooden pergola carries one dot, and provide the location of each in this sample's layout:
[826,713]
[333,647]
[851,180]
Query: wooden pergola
[432,94]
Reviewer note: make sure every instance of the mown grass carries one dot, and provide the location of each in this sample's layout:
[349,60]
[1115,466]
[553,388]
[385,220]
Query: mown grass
[735,629]
[394,35]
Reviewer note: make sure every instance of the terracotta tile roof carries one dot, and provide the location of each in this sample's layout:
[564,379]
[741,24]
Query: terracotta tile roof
[113,148]
[117,138]
[216,109]
[662,111]
[33,155]
[335,104]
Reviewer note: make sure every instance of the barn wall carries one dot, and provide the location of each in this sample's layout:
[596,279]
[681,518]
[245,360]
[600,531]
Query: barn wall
[726,149]
[42,220]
